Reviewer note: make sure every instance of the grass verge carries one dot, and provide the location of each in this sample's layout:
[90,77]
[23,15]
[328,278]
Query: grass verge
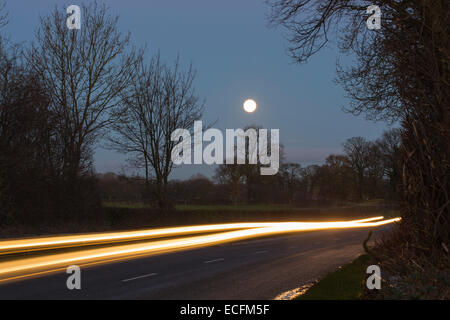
[346,283]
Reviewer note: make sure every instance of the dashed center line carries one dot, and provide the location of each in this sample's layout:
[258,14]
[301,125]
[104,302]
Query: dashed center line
[140,277]
[262,251]
[215,260]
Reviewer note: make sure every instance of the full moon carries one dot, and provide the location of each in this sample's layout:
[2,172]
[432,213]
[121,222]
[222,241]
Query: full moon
[249,105]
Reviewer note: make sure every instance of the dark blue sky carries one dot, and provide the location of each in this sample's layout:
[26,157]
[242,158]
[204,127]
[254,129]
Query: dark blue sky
[237,57]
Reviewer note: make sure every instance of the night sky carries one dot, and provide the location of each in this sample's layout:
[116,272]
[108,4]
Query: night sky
[237,56]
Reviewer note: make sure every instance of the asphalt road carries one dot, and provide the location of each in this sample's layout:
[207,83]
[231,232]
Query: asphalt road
[251,269]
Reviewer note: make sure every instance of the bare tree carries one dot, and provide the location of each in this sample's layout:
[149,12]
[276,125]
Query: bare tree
[250,170]
[290,175]
[401,73]
[28,152]
[3,15]
[232,175]
[84,71]
[162,99]
[340,181]
[389,145]
[357,150]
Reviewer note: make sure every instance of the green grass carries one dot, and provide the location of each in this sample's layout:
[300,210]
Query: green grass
[346,283]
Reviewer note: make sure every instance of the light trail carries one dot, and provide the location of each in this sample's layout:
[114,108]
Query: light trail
[25,267]
[57,242]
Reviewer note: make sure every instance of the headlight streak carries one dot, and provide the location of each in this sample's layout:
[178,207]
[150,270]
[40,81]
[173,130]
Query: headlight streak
[56,242]
[24,267]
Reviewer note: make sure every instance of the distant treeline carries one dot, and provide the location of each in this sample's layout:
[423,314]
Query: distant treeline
[366,170]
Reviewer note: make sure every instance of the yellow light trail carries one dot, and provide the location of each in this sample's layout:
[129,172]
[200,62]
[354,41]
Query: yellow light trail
[24,267]
[56,242]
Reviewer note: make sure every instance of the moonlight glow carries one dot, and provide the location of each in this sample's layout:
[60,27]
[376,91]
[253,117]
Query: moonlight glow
[249,105]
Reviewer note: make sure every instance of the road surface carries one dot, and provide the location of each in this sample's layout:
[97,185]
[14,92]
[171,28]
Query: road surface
[250,269]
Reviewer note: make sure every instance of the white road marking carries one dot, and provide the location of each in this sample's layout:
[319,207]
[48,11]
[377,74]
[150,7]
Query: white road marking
[140,277]
[262,251]
[215,260]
